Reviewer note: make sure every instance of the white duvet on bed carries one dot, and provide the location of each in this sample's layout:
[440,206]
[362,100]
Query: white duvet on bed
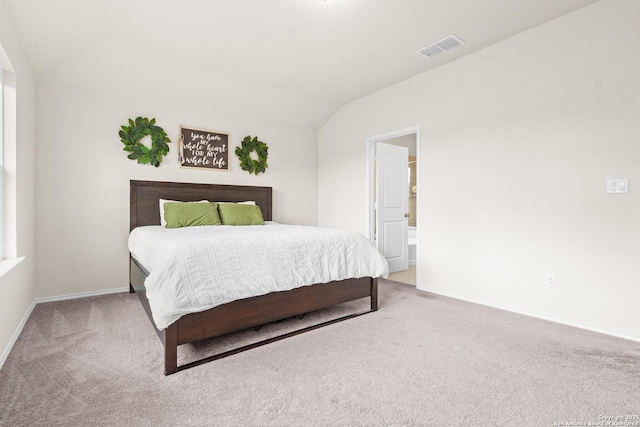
[193,269]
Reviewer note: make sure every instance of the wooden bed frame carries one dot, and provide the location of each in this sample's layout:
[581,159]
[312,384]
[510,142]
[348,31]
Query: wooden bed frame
[240,314]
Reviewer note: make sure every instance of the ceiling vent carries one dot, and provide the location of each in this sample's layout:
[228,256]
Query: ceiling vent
[441,46]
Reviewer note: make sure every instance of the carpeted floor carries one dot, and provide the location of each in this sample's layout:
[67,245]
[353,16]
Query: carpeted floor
[421,360]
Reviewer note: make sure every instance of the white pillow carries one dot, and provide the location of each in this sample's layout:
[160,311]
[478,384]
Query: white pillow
[163,201]
[240,203]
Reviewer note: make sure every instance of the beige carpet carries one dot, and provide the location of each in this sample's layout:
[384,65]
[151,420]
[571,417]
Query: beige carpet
[421,360]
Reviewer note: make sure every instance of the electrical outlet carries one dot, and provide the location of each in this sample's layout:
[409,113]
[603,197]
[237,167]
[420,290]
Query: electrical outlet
[552,280]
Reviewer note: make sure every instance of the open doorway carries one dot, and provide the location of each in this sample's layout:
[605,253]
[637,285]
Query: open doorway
[384,231]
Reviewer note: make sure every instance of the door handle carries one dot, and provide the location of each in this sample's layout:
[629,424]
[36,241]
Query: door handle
[406,215]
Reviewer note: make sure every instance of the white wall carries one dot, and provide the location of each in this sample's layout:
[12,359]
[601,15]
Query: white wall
[82,177]
[17,285]
[517,142]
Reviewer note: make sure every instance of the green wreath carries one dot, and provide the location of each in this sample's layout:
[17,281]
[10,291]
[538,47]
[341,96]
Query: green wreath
[138,129]
[244,151]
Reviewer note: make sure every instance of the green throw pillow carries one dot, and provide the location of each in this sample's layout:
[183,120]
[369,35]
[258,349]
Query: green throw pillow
[239,214]
[188,214]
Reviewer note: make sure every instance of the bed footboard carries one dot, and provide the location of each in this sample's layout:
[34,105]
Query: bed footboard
[251,312]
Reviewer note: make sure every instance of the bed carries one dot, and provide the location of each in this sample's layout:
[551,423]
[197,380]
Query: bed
[239,314]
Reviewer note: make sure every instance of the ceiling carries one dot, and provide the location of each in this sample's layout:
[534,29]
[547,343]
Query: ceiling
[323,52]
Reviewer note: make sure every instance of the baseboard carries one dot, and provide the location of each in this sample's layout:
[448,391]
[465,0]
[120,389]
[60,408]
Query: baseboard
[16,334]
[18,331]
[538,316]
[80,295]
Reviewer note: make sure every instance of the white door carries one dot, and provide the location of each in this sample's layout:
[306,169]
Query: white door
[392,194]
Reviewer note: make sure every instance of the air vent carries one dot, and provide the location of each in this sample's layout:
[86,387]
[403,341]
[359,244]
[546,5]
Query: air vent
[441,46]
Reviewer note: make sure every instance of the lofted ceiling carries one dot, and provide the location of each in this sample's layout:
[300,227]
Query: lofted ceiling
[320,53]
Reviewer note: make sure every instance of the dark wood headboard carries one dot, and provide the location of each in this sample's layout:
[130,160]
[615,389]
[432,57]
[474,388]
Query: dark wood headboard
[145,197]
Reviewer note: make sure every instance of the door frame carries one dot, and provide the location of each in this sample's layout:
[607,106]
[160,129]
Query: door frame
[371,151]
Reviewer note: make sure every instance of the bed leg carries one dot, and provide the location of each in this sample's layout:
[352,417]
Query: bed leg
[171,349]
[131,290]
[374,294]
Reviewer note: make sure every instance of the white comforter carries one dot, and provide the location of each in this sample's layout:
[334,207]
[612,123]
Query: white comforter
[193,269]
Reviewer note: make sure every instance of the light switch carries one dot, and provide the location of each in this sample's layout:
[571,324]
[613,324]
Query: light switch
[618,185]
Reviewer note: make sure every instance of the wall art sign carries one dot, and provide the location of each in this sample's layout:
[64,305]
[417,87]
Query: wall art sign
[203,149]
